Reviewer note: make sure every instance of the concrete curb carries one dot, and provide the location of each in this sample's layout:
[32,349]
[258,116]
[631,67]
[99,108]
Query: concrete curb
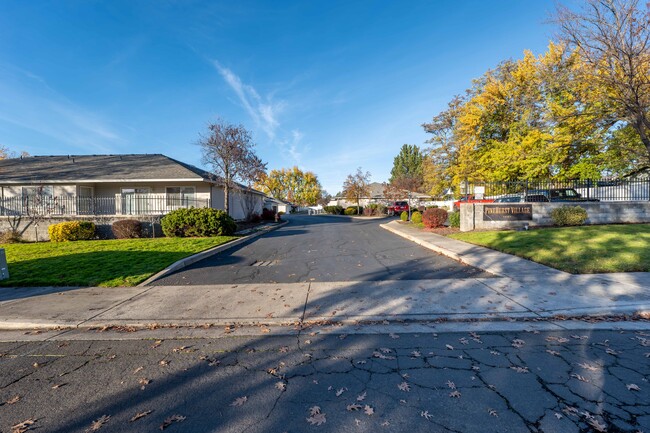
[500,264]
[183,263]
[436,248]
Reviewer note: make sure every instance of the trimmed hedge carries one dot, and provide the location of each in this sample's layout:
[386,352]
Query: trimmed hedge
[334,210]
[71,231]
[454,219]
[350,211]
[375,209]
[199,222]
[404,216]
[569,216]
[434,217]
[416,217]
[127,229]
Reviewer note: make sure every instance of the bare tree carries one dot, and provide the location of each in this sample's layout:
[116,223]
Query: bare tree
[613,39]
[357,186]
[230,151]
[38,207]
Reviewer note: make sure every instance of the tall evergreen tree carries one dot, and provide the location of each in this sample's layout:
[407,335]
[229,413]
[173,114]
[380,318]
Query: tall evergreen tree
[408,163]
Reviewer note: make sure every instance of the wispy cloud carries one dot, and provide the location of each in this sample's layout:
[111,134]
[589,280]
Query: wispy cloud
[30,103]
[263,112]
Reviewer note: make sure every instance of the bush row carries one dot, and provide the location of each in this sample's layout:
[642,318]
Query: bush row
[71,231]
[197,222]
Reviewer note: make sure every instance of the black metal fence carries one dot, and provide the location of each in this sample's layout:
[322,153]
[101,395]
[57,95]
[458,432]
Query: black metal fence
[128,204]
[602,189]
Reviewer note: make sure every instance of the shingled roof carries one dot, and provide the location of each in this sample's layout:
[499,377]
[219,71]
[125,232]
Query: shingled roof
[97,168]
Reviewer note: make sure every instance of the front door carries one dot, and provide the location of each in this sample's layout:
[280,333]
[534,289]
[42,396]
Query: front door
[135,201]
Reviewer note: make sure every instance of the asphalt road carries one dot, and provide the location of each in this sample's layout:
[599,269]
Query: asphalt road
[323,248]
[564,381]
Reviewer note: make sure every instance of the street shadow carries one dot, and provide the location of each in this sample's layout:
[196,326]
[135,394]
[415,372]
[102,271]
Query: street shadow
[506,380]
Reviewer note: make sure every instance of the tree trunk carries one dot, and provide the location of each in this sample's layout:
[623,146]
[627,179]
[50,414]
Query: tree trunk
[226,194]
[643,133]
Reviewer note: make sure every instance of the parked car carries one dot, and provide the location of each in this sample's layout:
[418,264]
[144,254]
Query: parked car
[470,199]
[560,194]
[519,198]
[398,207]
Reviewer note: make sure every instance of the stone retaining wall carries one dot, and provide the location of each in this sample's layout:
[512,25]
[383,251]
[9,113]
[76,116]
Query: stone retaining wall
[472,214]
[29,231]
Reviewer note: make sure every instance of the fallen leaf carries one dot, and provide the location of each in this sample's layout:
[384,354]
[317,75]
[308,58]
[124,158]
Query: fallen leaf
[580,378]
[281,386]
[239,401]
[368,410]
[517,343]
[588,366]
[451,384]
[139,415]
[13,400]
[426,415]
[164,362]
[611,352]
[519,369]
[156,344]
[362,397]
[137,370]
[454,394]
[633,387]
[494,352]
[314,410]
[393,336]
[22,427]
[384,350]
[597,425]
[449,346]
[171,420]
[385,424]
[284,349]
[558,416]
[404,387]
[463,340]
[316,417]
[352,407]
[58,385]
[416,354]
[493,412]
[340,391]
[98,423]
[553,352]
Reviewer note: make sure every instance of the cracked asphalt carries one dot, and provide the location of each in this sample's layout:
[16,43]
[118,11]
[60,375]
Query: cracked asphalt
[560,381]
[322,248]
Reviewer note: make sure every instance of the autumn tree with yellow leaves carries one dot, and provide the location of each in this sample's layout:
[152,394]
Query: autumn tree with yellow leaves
[291,184]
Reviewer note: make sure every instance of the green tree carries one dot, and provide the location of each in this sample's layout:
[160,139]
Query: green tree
[408,163]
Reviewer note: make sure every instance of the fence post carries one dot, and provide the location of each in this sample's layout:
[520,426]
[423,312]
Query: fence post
[588,189]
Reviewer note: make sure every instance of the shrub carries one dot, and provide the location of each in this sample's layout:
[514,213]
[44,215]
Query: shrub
[434,217]
[416,217]
[127,229]
[350,211]
[10,237]
[71,231]
[197,222]
[454,219]
[374,209]
[268,214]
[334,210]
[404,216]
[569,216]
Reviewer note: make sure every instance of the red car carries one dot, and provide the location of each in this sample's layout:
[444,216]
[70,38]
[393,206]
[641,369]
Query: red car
[398,207]
[470,199]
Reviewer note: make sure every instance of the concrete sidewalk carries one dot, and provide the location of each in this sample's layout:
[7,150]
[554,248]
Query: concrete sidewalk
[521,290]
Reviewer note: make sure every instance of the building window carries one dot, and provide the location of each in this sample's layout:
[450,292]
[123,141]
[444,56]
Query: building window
[180,196]
[38,191]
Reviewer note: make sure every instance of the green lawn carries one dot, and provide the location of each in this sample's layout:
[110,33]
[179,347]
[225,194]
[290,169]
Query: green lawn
[579,250]
[106,263]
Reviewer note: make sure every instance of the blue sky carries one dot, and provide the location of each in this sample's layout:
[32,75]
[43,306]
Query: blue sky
[325,85]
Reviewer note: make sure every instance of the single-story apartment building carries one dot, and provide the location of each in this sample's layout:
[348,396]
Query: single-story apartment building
[278,205]
[133,185]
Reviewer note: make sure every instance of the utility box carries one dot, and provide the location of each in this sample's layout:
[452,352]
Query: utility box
[4,270]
